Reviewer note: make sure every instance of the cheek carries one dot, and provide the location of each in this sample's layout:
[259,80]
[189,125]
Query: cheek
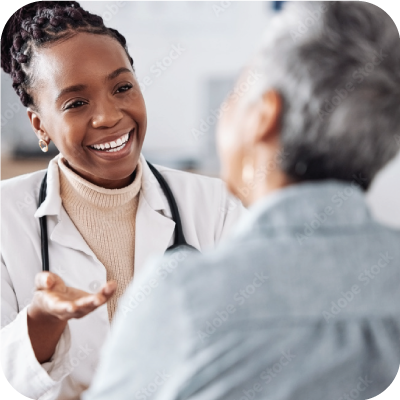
[68,136]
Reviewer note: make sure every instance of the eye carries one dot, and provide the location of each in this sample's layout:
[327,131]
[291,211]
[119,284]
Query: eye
[124,88]
[75,104]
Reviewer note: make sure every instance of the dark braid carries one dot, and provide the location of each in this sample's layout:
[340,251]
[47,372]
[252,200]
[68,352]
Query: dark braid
[41,23]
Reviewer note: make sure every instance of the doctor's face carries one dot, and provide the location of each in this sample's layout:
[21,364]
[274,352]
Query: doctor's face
[90,105]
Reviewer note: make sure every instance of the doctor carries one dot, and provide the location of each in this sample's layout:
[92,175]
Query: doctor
[105,211]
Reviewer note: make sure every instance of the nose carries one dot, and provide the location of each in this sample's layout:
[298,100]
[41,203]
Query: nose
[107,114]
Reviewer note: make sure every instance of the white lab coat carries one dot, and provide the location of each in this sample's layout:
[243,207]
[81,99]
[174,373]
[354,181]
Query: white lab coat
[207,211]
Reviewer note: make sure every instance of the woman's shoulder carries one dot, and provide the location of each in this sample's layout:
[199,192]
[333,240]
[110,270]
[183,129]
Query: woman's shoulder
[21,187]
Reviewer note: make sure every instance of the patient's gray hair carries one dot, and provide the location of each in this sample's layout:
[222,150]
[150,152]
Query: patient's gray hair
[337,67]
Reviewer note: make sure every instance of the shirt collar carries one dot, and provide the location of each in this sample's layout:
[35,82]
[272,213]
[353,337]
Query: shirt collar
[327,203]
[52,205]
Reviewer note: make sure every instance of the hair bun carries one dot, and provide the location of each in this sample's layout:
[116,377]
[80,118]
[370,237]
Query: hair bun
[21,21]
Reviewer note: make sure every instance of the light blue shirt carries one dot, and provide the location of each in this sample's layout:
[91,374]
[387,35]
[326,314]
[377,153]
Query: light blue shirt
[302,302]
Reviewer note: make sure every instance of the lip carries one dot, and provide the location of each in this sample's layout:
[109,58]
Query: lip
[115,155]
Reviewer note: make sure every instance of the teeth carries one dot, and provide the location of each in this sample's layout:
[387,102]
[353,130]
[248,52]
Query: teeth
[120,143]
[117,149]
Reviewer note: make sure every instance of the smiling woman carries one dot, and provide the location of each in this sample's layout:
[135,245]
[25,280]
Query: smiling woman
[89,95]
[105,213]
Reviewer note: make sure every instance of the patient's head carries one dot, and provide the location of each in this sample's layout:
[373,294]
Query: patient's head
[321,100]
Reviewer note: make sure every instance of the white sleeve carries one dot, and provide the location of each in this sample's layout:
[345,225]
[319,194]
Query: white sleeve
[18,360]
[231,210]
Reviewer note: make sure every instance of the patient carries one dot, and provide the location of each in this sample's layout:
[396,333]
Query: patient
[303,301]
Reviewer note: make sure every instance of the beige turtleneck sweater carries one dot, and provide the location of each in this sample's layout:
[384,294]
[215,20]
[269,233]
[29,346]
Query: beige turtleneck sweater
[106,220]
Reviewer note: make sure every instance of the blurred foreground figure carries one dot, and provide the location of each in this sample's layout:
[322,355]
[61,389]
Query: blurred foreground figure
[303,302]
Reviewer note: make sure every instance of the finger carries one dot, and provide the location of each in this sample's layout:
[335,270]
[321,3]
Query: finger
[70,309]
[108,289]
[93,300]
[84,306]
[44,280]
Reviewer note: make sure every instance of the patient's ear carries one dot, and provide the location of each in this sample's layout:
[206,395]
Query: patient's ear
[269,115]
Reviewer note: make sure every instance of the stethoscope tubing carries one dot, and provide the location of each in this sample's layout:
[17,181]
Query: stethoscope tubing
[179,239]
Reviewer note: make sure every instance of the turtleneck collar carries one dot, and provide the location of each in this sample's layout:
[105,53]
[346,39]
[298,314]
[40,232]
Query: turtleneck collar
[74,185]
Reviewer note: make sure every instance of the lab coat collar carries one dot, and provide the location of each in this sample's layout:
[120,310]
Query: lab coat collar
[150,189]
[153,217]
[52,204]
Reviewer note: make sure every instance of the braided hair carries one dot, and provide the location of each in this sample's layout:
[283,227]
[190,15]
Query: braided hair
[41,23]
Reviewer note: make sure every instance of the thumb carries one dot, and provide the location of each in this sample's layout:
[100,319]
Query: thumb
[46,280]
[109,288]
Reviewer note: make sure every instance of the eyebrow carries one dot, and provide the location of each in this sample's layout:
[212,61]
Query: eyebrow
[117,72]
[79,88]
[71,89]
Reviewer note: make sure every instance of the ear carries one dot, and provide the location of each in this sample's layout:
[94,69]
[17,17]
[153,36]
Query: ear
[37,126]
[269,115]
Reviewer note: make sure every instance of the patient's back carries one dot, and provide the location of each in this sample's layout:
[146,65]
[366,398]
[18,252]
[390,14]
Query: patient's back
[303,304]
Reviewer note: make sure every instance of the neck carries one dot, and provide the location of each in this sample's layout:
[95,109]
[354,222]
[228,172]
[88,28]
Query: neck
[104,183]
[273,181]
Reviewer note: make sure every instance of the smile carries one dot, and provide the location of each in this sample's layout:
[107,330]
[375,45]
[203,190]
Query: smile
[113,146]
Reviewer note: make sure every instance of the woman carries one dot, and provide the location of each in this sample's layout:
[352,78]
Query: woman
[105,210]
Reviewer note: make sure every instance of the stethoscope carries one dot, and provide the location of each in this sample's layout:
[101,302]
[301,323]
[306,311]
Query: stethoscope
[179,239]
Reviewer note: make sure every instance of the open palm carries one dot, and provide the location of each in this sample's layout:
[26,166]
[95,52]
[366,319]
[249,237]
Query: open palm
[53,297]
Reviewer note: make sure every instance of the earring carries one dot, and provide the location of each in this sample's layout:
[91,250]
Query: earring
[43,146]
[248,170]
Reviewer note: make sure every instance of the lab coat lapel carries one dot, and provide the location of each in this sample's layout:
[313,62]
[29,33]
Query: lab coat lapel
[66,234]
[154,231]
[59,225]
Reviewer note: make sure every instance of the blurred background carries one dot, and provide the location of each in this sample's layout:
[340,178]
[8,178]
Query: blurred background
[187,56]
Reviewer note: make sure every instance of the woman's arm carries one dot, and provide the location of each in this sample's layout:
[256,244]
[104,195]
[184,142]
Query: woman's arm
[53,305]
[44,332]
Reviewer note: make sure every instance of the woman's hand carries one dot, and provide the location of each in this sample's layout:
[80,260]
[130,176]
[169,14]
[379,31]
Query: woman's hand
[53,305]
[54,299]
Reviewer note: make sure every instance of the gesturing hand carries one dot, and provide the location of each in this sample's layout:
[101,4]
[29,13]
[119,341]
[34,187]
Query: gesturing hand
[52,297]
